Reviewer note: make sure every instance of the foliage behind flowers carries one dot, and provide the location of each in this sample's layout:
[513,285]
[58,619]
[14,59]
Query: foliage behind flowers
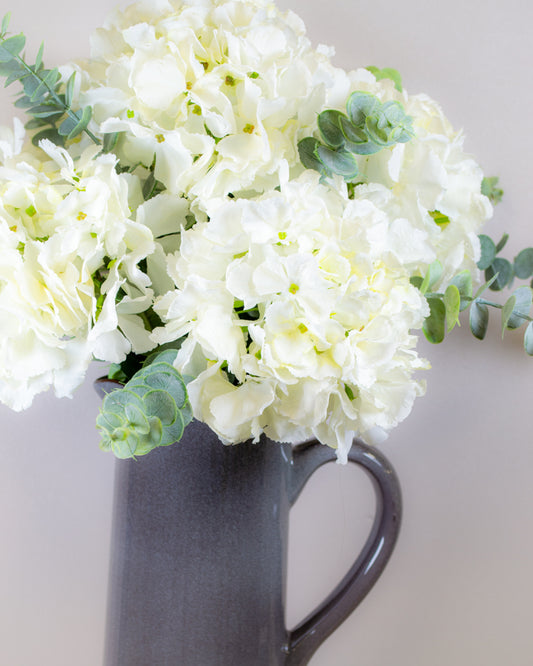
[210,183]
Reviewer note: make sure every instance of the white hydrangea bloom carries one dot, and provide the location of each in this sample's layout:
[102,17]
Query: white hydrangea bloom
[430,174]
[68,248]
[298,313]
[219,91]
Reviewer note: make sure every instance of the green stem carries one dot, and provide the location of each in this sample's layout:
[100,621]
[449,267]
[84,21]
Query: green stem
[483,301]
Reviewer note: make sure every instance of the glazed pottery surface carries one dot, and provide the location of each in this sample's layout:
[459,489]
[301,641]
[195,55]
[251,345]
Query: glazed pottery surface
[199,552]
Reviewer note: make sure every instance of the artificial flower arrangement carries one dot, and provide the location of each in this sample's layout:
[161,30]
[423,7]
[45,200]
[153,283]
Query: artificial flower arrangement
[247,234]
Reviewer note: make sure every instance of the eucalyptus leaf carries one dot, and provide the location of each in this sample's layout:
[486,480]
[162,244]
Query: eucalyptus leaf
[360,105]
[432,276]
[49,133]
[502,270]
[507,311]
[485,286]
[330,129]
[352,133]
[502,242]
[23,102]
[35,123]
[67,126]
[43,111]
[11,78]
[523,300]
[48,82]
[110,141]
[39,58]
[395,113]
[82,123]
[11,46]
[41,95]
[479,319]
[463,282]
[523,264]
[161,404]
[488,252]
[434,326]
[174,432]
[12,68]
[69,89]
[151,410]
[30,85]
[369,127]
[341,163]
[528,339]
[308,156]
[5,24]
[377,130]
[452,303]
[365,148]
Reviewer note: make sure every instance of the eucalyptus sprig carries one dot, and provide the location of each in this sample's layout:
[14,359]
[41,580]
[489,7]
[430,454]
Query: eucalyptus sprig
[367,127]
[506,271]
[151,410]
[458,296]
[50,110]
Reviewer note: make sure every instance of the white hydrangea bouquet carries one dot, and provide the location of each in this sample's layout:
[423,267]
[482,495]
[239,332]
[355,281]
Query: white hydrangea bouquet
[249,235]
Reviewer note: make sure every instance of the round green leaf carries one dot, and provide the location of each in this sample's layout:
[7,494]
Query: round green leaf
[479,319]
[488,252]
[360,105]
[365,148]
[153,439]
[523,300]
[502,243]
[307,150]
[109,421]
[432,276]
[341,163]
[434,327]
[452,303]
[174,432]
[503,270]
[150,411]
[352,133]
[507,311]
[329,126]
[116,401]
[463,282]
[136,419]
[161,404]
[523,264]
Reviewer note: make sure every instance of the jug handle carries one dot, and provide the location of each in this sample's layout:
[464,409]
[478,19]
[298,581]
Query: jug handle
[305,639]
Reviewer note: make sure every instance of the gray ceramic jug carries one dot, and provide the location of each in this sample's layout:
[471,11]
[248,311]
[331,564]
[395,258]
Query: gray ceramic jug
[199,553]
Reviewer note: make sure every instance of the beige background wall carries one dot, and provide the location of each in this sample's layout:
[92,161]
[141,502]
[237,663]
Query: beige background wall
[459,587]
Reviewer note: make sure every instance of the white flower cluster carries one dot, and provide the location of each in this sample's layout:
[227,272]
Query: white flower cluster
[431,180]
[70,289]
[297,313]
[218,92]
[289,295]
